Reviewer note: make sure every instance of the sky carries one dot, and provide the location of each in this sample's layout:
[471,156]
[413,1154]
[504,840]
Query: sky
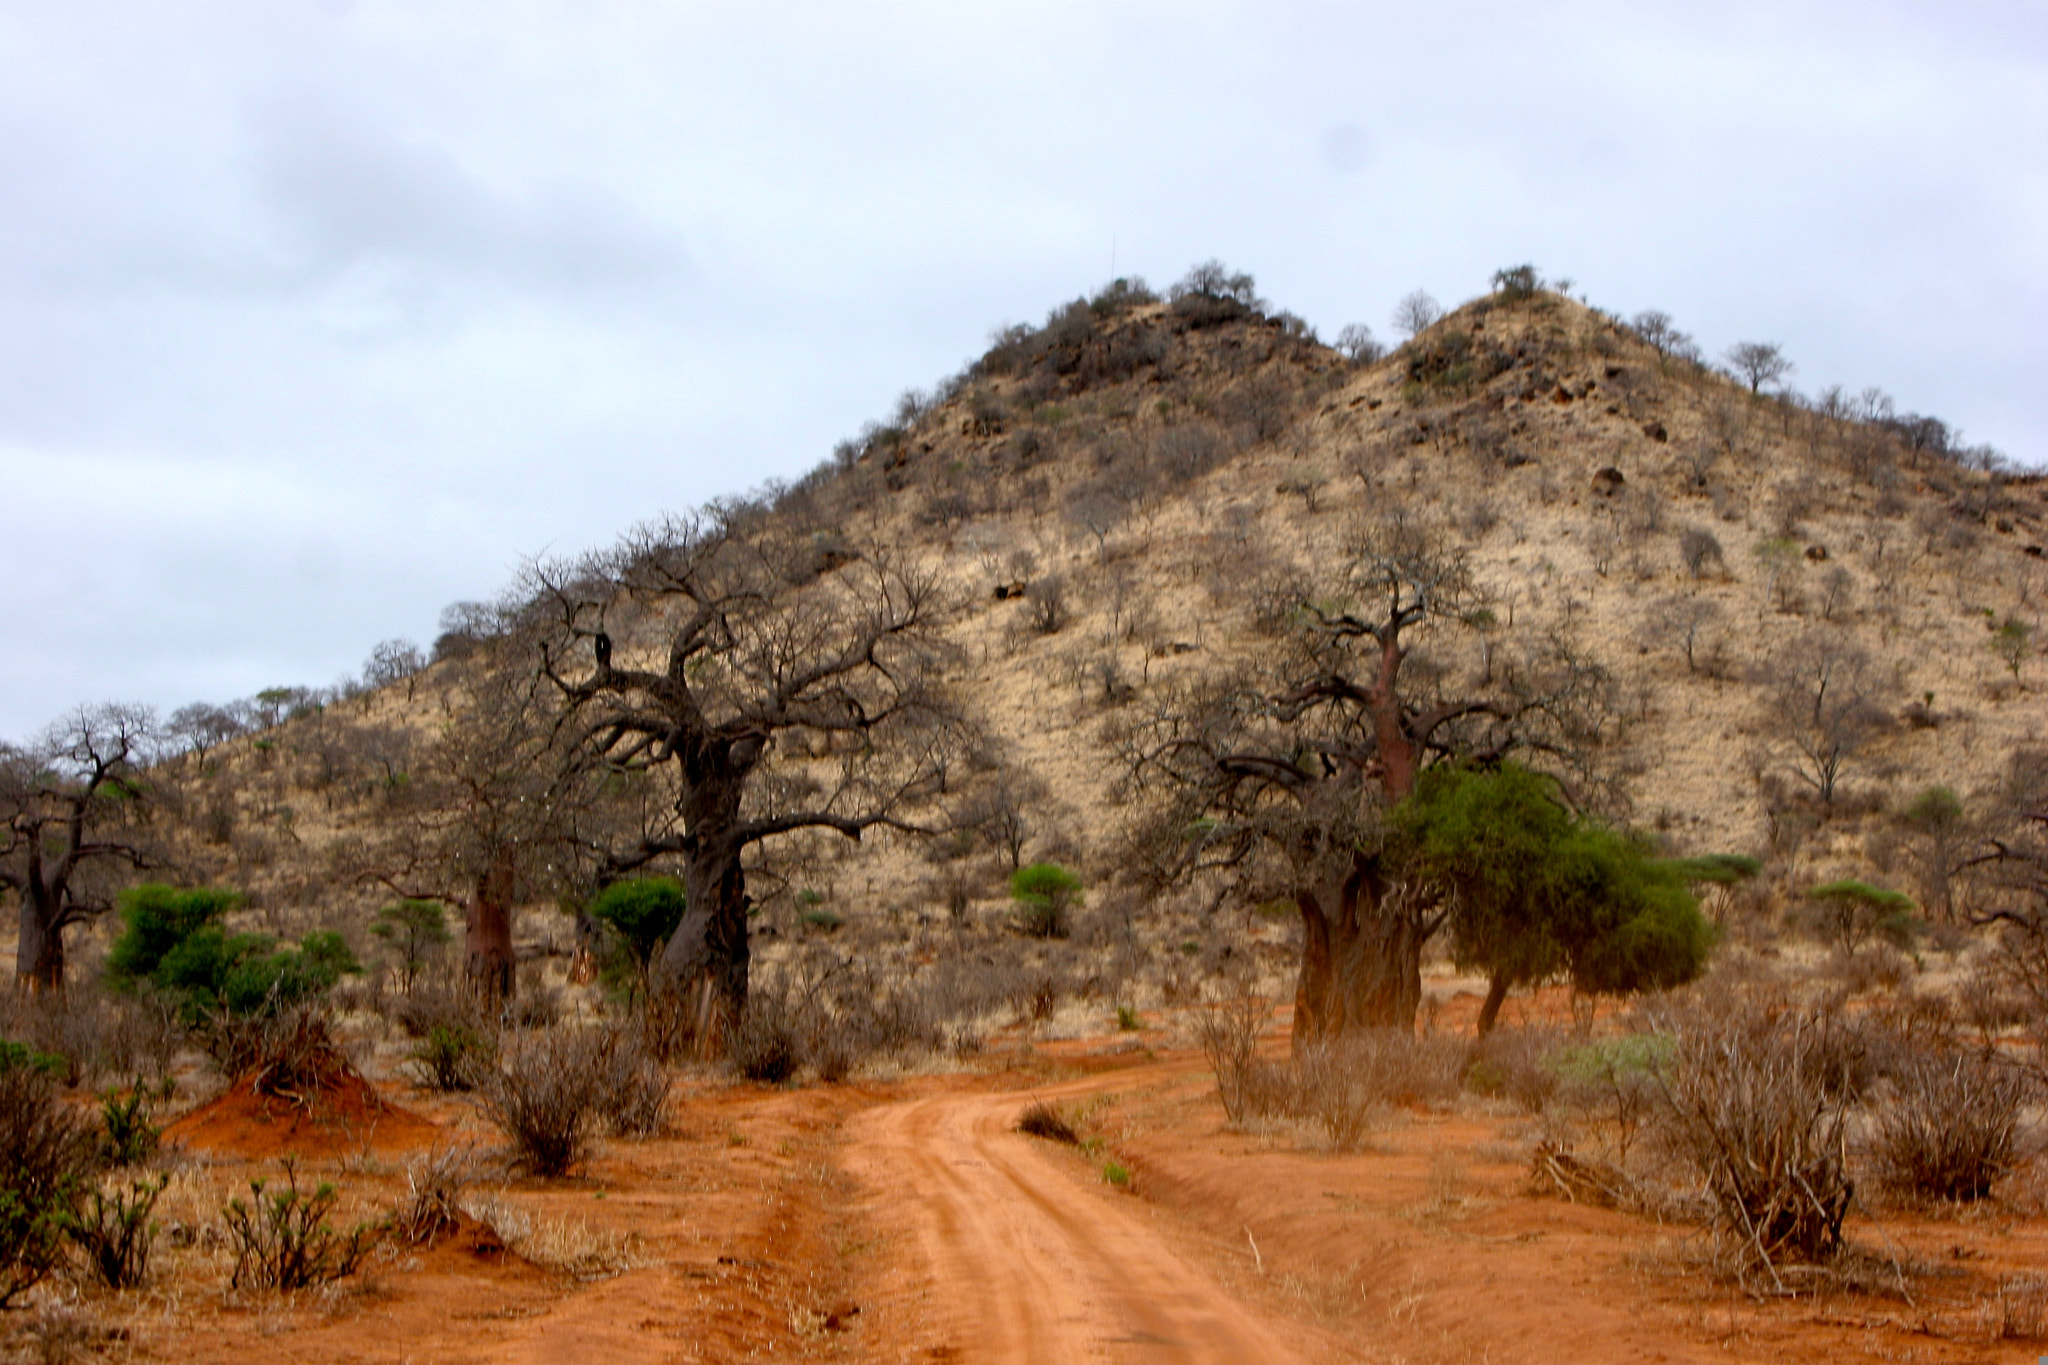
[316,316]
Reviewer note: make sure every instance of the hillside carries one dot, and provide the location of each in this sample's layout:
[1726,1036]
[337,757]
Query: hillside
[1132,496]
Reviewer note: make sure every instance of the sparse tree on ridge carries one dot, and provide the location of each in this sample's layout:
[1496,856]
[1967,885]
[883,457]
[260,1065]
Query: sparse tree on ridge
[1416,314]
[1655,326]
[394,661]
[1359,345]
[1758,363]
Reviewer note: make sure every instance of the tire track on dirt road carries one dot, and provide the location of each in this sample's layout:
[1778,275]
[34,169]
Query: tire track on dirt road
[1023,1262]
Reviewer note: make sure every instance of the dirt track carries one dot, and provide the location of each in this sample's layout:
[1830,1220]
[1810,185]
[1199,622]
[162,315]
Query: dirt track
[1037,1264]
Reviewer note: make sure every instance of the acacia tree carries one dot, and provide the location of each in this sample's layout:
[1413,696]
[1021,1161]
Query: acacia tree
[69,806]
[1281,772]
[1538,891]
[772,688]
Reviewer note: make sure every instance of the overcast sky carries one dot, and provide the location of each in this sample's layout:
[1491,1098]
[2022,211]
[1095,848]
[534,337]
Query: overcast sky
[315,317]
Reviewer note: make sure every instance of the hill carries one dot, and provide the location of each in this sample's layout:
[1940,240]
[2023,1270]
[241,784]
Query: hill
[1133,497]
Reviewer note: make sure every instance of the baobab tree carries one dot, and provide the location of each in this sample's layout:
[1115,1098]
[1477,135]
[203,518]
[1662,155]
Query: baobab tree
[69,803]
[773,687]
[1282,771]
[490,807]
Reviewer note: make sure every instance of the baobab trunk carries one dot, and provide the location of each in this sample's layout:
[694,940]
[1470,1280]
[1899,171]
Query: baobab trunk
[39,948]
[707,958]
[1361,958]
[488,940]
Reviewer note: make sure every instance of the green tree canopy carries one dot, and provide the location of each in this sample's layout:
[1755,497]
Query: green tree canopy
[1046,893]
[1537,892]
[642,913]
[174,940]
[413,929]
[1849,913]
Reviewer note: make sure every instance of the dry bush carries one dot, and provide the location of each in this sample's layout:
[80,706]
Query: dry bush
[2021,1310]
[98,1037]
[632,1086]
[1042,1119]
[547,1093]
[570,1246]
[291,1054]
[767,1043]
[1228,1030]
[1619,1082]
[1755,1102]
[46,1153]
[432,1206]
[1948,1123]
[1517,1065]
[1345,1083]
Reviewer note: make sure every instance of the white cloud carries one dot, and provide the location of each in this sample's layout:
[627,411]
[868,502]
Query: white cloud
[314,316]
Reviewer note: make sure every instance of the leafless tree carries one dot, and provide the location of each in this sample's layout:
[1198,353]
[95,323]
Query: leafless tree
[1819,697]
[490,810]
[771,695]
[1097,511]
[1279,772]
[1758,363]
[201,727]
[395,661]
[1359,345]
[1655,327]
[1699,547]
[1416,314]
[1684,620]
[71,805]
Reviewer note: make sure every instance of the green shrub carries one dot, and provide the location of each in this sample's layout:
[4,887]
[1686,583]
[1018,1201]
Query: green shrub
[173,939]
[1848,914]
[1046,894]
[115,1233]
[640,914]
[451,1057]
[158,919]
[47,1156]
[282,1239]
[414,930]
[131,1137]
[20,1056]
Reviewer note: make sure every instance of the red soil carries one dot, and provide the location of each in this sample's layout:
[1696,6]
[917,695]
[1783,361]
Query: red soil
[345,1115]
[908,1222]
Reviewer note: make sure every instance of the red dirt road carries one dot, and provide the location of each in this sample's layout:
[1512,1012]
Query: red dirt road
[1033,1263]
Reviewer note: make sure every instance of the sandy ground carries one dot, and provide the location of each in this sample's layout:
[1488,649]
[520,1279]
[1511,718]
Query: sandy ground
[909,1222]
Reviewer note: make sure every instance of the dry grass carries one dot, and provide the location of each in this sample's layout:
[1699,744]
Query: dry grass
[569,1246]
[1043,1119]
